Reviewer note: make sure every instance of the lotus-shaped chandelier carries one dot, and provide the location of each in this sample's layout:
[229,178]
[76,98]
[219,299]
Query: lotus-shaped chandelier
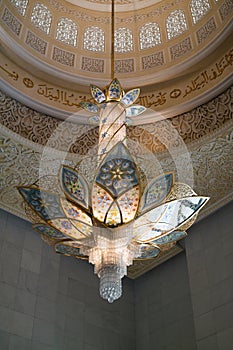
[118,217]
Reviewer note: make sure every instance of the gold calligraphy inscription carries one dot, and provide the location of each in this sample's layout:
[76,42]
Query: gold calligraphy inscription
[208,75]
[160,98]
[28,83]
[153,100]
[12,75]
[198,83]
[60,96]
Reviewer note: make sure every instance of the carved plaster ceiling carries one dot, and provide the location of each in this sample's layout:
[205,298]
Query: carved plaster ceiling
[121,5]
[186,88]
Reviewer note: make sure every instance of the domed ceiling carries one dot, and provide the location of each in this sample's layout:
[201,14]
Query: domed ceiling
[121,5]
[178,52]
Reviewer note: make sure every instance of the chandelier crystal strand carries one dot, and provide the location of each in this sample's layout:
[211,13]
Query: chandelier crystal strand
[112,252]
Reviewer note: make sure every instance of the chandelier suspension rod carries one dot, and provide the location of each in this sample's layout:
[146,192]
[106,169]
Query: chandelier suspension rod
[112,42]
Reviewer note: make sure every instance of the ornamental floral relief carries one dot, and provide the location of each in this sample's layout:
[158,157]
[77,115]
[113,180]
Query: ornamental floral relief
[95,65]
[225,9]
[152,61]
[206,30]
[81,15]
[11,21]
[64,57]
[190,126]
[25,121]
[206,118]
[124,66]
[181,48]
[40,128]
[36,43]
[213,173]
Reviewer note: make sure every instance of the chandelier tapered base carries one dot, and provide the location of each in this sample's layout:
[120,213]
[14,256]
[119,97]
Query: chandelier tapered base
[110,283]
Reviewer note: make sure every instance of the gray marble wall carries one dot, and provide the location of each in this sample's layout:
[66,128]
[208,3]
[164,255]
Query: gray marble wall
[187,303]
[209,252]
[163,309]
[51,302]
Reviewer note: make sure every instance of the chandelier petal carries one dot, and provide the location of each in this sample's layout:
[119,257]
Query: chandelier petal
[113,217]
[156,191]
[73,212]
[97,94]
[49,231]
[148,251]
[101,201]
[174,214]
[170,237]
[114,90]
[69,249]
[117,174]
[130,97]
[71,228]
[74,186]
[89,107]
[128,204]
[145,233]
[83,228]
[95,119]
[134,110]
[45,204]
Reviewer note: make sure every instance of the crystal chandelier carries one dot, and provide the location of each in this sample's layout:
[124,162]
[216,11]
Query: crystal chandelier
[118,217]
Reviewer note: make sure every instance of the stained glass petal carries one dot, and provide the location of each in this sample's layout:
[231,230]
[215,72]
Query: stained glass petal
[73,212]
[74,186]
[97,94]
[134,110]
[130,97]
[170,237]
[156,191]
[45,204]
[69,249]
[113,217]
[146,233]
[65,226]
[128,121]
[90,107]
[101,201]
[114,90]
[83,228]
[128,204]
[117,173]
[148,251]
[49,231]
[181,210]
[151,217]
[174,214]
[94,120]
